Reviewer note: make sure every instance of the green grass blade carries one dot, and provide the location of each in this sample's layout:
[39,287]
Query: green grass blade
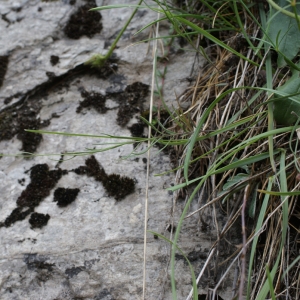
[212,38]
[195,289]
[270,280]
[283,187]
[269,86]
[258,227]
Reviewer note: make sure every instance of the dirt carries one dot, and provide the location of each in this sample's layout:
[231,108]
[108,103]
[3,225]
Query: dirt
[84,22]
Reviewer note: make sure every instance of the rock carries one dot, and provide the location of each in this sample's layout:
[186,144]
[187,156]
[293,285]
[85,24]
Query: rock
[90,245]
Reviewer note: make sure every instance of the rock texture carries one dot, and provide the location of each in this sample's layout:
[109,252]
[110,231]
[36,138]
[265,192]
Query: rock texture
[72,226]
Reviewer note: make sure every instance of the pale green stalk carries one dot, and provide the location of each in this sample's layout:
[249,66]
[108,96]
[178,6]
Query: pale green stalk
[282,10]
[269,86]
[98,60]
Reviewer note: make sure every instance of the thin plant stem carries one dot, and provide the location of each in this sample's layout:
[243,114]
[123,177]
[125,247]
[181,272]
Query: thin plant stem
[98,60]
[269,86]
[282,10]
[148,155]
[244,249]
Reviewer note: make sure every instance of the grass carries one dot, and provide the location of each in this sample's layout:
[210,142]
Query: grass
[231,145]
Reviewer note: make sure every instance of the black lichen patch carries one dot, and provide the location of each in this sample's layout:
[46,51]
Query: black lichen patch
[7,100]
[18,214]
[35,261]
[136,92]
[193,256]
[131,101]
[137,129]
[23,114]
[28,120]
[54,60]
[125,113]
[105,294]
[38,220]
[64,196]
[71,272]
[92,99]
[15,121]
[118,186]
[84,22]
[115,185]
[42,181]
[4,59]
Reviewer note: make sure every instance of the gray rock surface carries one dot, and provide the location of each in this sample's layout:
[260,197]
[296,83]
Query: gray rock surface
[91,248]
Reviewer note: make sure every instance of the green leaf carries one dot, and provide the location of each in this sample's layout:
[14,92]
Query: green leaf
[234,180]
[253,200]
[283,108]
[284,33]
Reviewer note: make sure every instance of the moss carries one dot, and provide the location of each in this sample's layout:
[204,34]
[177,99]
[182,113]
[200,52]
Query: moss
[131,102]
[4,59]
[92,99]
[116,186]
[38,220]
[84,22]
[18,214]
[42,181]
[54,60]
[64,196]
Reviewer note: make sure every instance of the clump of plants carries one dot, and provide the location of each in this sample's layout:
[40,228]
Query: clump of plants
[238,140]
